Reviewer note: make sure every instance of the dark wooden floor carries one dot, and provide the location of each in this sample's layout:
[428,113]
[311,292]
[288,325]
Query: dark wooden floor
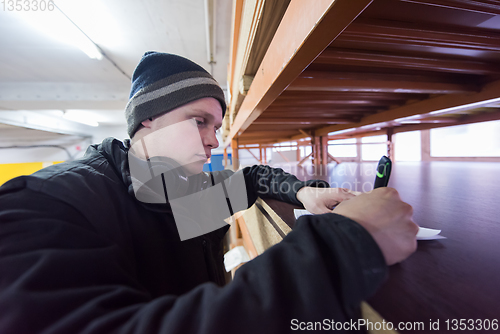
[454,278]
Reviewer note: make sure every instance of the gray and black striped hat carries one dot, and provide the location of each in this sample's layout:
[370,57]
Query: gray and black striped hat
[162,82]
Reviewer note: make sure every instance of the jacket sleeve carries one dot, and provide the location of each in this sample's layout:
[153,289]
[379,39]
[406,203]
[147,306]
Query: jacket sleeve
[268,182]
[57,275]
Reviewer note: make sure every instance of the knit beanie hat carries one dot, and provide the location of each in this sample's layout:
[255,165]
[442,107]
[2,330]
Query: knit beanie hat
[162,82]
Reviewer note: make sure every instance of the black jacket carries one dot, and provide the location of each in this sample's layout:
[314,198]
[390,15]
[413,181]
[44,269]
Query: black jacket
[79,254]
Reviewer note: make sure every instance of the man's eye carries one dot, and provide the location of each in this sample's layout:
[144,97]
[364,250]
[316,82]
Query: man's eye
[199,122]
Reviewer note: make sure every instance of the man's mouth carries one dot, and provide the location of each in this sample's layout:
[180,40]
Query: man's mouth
[203,156]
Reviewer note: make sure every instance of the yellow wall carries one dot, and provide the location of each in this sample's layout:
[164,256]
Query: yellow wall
[9,171]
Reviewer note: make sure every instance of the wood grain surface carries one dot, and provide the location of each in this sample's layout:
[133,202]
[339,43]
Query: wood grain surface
[453,278]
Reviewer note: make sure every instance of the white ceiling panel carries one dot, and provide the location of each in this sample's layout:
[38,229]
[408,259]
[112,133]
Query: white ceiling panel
[39,72]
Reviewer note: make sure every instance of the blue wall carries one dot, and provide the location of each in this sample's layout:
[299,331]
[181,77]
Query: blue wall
[216,162]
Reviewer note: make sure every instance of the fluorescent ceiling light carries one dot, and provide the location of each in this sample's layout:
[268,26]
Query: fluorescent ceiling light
[95,19]
[80,117]
[59,26]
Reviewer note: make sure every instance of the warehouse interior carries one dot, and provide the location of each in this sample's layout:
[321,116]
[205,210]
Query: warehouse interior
[320,88]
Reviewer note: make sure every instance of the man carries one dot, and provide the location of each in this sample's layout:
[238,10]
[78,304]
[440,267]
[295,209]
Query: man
[95,245]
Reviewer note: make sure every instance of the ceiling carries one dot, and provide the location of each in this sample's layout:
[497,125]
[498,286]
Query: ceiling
[382,66]
[42,75]
[359,69]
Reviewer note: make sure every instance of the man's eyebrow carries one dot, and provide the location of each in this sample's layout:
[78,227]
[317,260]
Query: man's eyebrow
[204,114]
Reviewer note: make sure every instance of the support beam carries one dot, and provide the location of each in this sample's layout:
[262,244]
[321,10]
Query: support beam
[387,83]
[334,159]
[283,156]
[476,6]
[340,96]
[444,104]
[304,32]
[425,145]
[324,150]
[247,17]
[468,119]
[359,152]
[63,95]
[390,153]
[304,159]
[300,120]
[225,158]
[314,149]
[235,28]
[367,59]
[37,121]
[307,134]
[404,33]
[235,154]
[253,155]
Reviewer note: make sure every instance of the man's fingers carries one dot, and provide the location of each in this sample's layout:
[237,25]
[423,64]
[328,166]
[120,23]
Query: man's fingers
[341,194]
[387,192]
[355,193]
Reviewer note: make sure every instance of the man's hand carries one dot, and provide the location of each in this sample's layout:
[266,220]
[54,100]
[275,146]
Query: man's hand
[387,218]
[322,200]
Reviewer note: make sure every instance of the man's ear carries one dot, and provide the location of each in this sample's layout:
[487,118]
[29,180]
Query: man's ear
[147,123]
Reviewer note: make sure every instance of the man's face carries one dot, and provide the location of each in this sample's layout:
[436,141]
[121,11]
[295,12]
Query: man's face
[185,134]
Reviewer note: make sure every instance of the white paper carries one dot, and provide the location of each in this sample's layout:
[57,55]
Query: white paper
[424,233]
[300,212]
[235,257]
[428,234]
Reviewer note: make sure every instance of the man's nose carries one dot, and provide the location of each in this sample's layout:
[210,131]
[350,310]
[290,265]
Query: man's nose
[210,139]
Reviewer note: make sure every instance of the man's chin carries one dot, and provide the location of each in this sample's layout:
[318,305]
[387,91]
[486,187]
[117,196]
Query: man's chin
[194,168]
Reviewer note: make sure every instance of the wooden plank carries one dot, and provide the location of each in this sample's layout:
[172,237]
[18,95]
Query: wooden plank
[265,134]
[379,86]
[405,33]
[251,12]
[477,6]
[237,11]
[369,59]
[326,111]
[368,82]
[235,154]
[247,239]
[323,141]
[305,133]
[425,145]
[225,158]
[283,156]
[338,161]
[305,120]
[470,119]
[390,144]
[440,103]
[333,101]
[304,159]
[305,31]
[342,96]
[253,155]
